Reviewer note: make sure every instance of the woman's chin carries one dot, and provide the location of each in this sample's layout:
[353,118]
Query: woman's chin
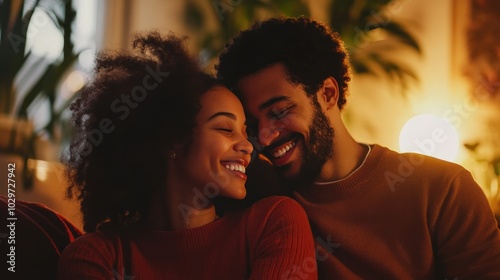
[238,194]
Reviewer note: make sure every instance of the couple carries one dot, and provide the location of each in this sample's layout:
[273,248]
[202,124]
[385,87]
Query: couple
[147,190]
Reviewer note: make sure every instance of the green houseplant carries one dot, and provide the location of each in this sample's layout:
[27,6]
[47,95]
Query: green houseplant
[358,23]
[482,68]
[17,134]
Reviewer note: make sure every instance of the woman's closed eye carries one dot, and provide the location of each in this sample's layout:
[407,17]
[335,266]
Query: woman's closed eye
[229,130]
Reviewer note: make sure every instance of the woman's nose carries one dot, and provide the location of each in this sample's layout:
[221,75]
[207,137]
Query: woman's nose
[244,146]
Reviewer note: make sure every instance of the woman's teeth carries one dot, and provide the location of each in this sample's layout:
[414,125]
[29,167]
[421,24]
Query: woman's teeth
[236,167]
[281,152]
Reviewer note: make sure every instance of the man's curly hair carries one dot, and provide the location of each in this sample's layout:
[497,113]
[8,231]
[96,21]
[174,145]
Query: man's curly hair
[139,107]
[309,50]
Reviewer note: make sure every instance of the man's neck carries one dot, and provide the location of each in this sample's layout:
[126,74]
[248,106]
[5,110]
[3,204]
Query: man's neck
[348,155]
[342,177]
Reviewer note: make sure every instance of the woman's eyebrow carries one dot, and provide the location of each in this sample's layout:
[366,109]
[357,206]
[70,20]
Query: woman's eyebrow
[225,114]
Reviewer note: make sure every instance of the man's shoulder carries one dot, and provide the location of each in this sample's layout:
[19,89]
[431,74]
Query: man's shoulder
[417,162]
[423,174]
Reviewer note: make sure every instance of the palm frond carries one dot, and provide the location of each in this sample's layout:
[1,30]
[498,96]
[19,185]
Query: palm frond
[354,20]
[233,19]
[396,71]
[357,21]
[400,33]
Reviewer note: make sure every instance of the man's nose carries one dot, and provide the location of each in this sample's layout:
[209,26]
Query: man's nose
[267,136]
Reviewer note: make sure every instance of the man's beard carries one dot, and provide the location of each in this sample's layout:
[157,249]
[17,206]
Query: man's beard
[315,152]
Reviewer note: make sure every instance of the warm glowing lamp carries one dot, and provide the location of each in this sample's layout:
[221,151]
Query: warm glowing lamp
[429,135]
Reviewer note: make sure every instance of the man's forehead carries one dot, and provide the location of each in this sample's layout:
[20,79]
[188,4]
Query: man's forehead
[267,74]
[265,84]
[262,101]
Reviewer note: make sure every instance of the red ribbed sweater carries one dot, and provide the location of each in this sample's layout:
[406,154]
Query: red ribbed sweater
[269,240]
[40,234]
[403,216]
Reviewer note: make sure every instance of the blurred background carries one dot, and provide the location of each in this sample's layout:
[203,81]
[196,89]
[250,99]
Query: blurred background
[426,74]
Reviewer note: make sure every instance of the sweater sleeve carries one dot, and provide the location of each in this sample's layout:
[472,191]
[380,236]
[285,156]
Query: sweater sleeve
[41,234]
[280,241]
[91,256]
[466,233]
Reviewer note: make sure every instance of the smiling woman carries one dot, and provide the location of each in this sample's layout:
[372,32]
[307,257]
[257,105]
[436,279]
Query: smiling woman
[220,147]
[146,188]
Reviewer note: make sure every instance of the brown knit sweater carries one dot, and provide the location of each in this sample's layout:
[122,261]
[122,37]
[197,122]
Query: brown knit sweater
[403,216]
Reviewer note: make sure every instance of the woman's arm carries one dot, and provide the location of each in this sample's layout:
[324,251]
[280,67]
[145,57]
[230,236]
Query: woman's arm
[92,256]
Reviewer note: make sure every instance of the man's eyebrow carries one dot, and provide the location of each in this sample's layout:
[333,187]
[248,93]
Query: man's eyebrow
[225,114]
[272,101]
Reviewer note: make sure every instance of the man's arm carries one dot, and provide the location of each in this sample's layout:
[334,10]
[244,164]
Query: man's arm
[467,237]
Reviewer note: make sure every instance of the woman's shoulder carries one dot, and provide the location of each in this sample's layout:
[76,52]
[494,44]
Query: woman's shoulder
[276,222]
[272,202]
[277,209]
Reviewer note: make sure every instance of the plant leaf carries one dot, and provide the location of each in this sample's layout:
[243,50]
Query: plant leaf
[398,31]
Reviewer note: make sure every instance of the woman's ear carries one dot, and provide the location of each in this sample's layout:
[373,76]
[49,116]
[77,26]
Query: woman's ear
[329,93]
[175,151]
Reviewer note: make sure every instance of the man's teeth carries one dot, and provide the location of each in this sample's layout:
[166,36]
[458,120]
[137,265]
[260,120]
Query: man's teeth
[281,152]
[237,167]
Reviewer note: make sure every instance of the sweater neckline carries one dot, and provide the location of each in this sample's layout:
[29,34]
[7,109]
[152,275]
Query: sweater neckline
[205,229]
[354,182]
[354,171]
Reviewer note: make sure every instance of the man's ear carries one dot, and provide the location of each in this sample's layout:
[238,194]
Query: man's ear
[329,92]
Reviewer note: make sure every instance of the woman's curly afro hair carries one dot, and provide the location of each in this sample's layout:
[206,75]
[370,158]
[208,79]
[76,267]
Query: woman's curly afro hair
[139,106]
[309,50]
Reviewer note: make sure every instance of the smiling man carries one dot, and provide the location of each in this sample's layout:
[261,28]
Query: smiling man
[375,213]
